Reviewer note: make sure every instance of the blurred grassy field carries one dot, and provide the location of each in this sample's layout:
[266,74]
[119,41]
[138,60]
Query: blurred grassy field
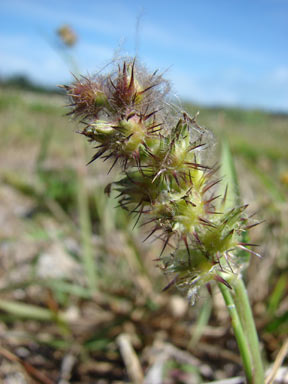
[75,276]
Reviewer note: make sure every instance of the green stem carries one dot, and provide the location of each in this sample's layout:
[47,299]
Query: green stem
[238,332]
[246,317]
[86,235]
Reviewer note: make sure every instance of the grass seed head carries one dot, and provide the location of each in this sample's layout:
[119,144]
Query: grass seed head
[164,176]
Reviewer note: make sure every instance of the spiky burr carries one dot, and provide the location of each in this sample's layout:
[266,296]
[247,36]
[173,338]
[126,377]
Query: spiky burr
[165,178]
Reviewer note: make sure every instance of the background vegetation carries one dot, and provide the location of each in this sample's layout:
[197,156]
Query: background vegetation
[77,281]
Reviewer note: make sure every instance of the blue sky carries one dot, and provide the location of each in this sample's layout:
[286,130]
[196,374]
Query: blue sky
[215,52]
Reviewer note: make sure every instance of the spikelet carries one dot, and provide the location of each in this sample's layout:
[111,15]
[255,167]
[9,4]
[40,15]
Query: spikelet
[164,178]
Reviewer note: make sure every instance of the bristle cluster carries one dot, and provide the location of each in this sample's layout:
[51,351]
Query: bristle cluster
[120,111]
[164,178]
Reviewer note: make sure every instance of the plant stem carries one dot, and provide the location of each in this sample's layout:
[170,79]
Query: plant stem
[238,332]
[246,317]
[85,224]
[86,236]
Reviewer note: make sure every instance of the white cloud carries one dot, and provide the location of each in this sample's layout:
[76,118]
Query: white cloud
[196,88]
[104,18]
[198,45]
[235,88]
[280,75]
[45,64]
